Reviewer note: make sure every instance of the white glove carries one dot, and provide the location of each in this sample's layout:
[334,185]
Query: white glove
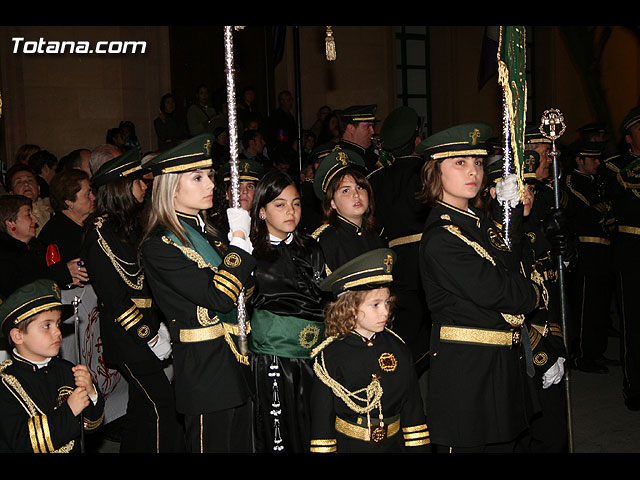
[243,243]
[507,190]
[239,219]
[161,344]
[554,374]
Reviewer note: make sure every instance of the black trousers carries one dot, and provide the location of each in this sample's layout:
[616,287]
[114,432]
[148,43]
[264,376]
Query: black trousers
[591,295]
[628,298]
[151,424]
[224,431]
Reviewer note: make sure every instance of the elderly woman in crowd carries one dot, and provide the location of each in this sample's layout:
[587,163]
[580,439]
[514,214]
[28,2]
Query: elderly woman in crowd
[22,255]
[72,200]
[21,179]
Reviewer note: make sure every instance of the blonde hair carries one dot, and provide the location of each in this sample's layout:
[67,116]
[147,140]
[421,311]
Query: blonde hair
[162,210]
[341,315]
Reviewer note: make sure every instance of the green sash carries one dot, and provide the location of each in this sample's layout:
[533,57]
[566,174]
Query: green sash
[284,336]
[204,249]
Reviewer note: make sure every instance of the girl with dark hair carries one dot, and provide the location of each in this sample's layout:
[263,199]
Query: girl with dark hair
[348,205]
[134,339]
[287,321]
[479,399]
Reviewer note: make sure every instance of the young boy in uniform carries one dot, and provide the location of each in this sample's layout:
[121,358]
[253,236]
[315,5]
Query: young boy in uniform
[42,395]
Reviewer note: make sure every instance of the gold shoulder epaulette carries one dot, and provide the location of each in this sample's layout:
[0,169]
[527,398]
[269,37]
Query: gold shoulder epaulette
[319,230]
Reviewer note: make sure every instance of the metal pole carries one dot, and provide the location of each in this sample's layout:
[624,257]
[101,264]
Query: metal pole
[235,183]
[553,118]
[76,335]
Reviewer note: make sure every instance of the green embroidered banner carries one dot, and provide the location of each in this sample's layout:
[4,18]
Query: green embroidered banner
[512,78]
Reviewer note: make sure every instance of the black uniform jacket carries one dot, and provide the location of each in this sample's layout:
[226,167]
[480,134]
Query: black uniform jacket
[590,219]
[128,318]
[287,281]
[476,392]
[191,293]
[345,241]
[22,263]
[34,414]
[351,362]
[624,192]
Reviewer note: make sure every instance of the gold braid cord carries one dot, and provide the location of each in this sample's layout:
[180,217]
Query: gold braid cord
[38,425]
[514,320]
[373,390]
[118,262]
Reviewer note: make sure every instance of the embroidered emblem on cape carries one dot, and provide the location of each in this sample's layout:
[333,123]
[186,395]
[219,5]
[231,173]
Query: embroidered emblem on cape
[308,336]
[388,362]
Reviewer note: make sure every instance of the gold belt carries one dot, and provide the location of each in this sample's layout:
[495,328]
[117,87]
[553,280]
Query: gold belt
[603,241]
[212,332]
[481,336]
[404,240]
[361,432]
[628,229]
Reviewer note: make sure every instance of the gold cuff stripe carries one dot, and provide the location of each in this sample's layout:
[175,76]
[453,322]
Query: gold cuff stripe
[323,449]
[231,277]
[417,435]
[416,428]
[534,337]
[322,442]
[603,241]
[202,334]
[231,286]
[223,288]
[132,322]
[417,443]
[404,240]
[629,229]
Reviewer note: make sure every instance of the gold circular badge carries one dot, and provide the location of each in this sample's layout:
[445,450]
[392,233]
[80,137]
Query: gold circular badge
[309,336]
[540,358]
[388,362]
[143,331]
[232,260]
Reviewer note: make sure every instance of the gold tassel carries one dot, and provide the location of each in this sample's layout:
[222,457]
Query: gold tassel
[330,45]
